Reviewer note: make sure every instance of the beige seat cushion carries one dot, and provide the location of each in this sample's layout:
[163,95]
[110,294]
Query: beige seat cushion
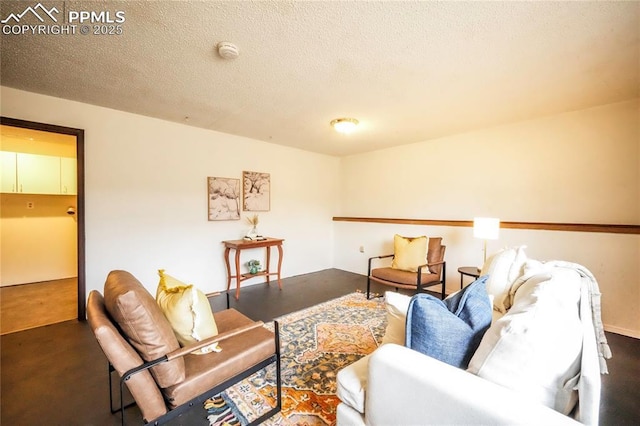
[402,277]
[145,326]
[239,353]
[352,384]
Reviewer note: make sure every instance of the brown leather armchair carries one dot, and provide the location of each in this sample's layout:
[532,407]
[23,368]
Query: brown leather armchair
[432,272]
[165,379]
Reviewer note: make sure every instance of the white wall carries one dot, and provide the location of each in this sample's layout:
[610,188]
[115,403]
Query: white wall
[578,167]
[146,204]
[146,194]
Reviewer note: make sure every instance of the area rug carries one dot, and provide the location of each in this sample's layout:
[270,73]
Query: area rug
[315,344]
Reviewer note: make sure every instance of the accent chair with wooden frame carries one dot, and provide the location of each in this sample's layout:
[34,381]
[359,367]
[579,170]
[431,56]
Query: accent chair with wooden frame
[165,379]
[431,273]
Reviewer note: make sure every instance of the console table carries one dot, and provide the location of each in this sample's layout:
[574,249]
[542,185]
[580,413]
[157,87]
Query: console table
[238,246]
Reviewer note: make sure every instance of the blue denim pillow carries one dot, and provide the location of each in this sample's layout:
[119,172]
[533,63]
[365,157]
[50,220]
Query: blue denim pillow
[449,330]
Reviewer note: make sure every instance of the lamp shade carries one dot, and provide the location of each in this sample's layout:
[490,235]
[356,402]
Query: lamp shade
[486,228]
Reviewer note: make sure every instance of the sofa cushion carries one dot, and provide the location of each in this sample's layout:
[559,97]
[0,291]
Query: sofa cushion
[396,305]
[188,311]
[351,383]
[449,330]
[144,325]
[503,268]
[535,348]
[409,252]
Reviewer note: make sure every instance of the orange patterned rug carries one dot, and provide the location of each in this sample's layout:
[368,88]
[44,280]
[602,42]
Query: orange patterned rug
[315,344]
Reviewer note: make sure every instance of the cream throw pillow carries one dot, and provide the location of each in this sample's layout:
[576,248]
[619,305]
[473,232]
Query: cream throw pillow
[188,312]
[503,268]
[396,305]
[409,253]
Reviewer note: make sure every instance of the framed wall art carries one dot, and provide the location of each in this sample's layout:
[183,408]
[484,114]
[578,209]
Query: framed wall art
[256,191]
[224,198]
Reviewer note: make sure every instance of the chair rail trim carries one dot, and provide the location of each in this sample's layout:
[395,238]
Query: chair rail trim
[546,226]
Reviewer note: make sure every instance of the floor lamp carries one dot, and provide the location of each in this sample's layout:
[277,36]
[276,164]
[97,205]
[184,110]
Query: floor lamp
[486,228]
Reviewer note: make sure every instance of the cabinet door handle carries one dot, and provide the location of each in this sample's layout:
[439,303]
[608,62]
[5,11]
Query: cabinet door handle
[65,189]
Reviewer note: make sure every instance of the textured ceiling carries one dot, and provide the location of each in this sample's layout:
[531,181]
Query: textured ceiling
[409,71]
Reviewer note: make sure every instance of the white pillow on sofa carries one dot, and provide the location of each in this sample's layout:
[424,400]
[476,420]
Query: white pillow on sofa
[503,268]
[536,347]
[396,305]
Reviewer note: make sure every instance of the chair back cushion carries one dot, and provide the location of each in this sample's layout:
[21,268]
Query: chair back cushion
[435,253]
[143,324]
[123,358]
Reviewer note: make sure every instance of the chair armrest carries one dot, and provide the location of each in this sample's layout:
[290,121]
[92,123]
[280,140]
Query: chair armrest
[433,392]
[376,257]
[441,262]
[381,257]
[206,342]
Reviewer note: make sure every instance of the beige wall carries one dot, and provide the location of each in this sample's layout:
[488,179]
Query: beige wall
[578,167]
[37,244]
[146,194]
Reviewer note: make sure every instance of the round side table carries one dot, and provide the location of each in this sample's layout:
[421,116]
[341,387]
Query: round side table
[470,271]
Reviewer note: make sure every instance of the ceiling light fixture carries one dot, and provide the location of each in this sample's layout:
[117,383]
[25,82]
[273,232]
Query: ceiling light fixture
[344,125]
[228,50]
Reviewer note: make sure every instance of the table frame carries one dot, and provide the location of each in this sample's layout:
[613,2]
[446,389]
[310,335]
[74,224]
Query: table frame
[238,246]
[470,271]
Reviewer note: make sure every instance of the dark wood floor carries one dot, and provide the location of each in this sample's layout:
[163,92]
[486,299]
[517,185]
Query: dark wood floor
[57,375]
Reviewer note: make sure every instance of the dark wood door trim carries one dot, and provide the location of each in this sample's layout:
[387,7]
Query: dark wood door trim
[79,134]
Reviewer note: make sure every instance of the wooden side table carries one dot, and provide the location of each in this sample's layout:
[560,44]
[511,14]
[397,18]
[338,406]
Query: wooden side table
[238,246]
[470,271]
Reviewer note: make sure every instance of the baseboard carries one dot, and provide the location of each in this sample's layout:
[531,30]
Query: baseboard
[624,331]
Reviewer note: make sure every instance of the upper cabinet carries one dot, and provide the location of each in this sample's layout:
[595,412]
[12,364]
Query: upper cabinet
[68,176]
[38,174]
[8,172]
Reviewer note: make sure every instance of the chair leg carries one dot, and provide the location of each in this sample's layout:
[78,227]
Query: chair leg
[444,280]
[368,286]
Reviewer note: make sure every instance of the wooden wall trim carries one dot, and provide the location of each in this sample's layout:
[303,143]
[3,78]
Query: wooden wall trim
[546,226]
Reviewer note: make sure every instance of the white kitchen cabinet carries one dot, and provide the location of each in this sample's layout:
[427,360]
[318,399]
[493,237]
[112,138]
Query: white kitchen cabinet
[8,174]
[38,174]
[68,176]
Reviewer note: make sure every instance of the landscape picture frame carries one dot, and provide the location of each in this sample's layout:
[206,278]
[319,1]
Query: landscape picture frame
[223,198]
[256,191]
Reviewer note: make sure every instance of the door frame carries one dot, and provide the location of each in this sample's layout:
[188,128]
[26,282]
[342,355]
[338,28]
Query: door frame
[79,134]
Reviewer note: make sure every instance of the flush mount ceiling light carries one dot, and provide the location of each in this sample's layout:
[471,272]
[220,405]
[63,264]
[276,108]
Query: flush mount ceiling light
[228,50]
[344,125]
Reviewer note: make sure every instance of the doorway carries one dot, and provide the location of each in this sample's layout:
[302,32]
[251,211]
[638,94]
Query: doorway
[42,275]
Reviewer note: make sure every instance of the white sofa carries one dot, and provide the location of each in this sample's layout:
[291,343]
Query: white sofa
[405,387]
[539,363]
